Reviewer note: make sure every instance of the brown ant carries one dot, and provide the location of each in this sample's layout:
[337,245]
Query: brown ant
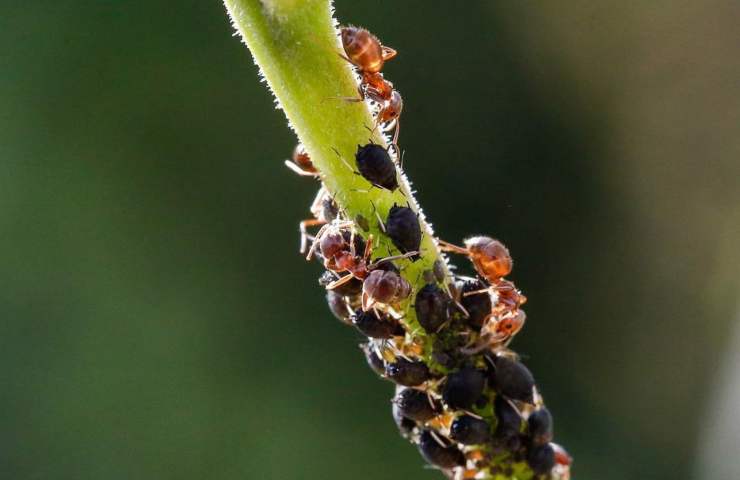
[493,262]
[364,51]
[490,257]
[336,242]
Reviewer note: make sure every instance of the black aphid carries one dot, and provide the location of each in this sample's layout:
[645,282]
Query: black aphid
[405,425]
[373,360]
[407,372]
[436,454]
[329,209]
[415,404]
[375,164]
[509,422]
[463,388]
[540,426]
[477,305]
[402,226]
[541,459]
[376,327]
[470,430]
[431,307]
[338,306]
[512,379]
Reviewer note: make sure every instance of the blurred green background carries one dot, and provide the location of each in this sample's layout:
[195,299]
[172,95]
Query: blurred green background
[157,321]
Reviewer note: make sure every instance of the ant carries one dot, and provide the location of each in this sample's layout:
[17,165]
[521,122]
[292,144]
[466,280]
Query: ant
[336,242]
[493,262]
[364,51]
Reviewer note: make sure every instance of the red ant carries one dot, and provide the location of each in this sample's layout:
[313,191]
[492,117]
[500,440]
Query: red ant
[364,51]
[336,242]
[493,262]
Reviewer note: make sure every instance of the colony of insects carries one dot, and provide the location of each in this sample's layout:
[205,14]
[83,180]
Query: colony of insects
[462,397]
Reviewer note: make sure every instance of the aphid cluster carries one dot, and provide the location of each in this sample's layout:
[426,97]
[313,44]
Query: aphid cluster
[462,397]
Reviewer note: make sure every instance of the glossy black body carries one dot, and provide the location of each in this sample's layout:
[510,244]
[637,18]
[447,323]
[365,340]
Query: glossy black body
[407,372]
[376,166]
[402,226]
[470,430]
[463,388]
[436,454]
[432,307]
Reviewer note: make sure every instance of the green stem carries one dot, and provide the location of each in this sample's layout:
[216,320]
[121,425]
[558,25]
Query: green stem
[295,45]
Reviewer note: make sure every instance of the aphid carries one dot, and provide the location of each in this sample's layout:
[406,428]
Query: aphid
[540,426]
[364,50]
[463,388]
[490,257]
[384,288]
[416,405]
[512,379]
[301,162]
[431,305]
[469,430]
[373,359]
[509,421]
[402,226]
[409,373]
[376,166]
[541,459]
[374,326]
[351,288]
[338,306]
[405,425]
[442,456]
[478,306]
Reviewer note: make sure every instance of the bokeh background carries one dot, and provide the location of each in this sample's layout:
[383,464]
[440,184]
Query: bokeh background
[157,322]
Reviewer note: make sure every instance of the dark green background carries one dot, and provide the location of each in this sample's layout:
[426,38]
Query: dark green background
[157,322]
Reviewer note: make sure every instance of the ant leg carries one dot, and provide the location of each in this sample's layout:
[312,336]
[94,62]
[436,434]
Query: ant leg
[367,302]
[298,169]
[343,160]
[368,248]
[395,134]
[477,292]
[377,215]
[340,282]
[449,247]
[374,265]
[319,234]
[304,233]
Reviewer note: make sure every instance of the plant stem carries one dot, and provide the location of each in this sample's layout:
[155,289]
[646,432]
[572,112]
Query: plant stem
[295,45]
